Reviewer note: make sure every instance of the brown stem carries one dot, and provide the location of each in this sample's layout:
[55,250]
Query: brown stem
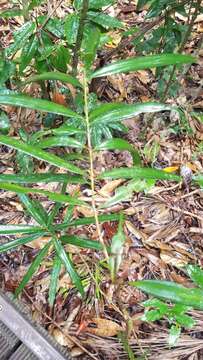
[83,16]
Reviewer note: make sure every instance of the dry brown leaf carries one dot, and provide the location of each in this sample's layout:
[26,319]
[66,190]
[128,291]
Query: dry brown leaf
[108,188]
[173,258]
[143,76]
[86,211]
[104,327]
[62,339]
[39,243]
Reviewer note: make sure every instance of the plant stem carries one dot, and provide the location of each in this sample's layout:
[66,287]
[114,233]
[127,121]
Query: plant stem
[181,48]
[94,207]
[83,16]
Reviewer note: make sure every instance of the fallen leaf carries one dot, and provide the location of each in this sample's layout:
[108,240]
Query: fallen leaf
[104,327]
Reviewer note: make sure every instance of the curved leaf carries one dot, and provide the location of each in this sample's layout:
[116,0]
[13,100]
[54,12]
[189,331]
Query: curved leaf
[138,173]
[171,291]
[36,104]
[143,62]
[39,154]
[57,75]
[110,112]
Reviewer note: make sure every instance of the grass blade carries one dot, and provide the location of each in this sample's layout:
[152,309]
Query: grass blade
[84,243]
[35,209]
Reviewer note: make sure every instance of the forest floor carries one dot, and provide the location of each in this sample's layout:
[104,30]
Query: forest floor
[163,228]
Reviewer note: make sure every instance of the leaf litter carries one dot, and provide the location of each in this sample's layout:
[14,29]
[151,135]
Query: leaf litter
[163,230]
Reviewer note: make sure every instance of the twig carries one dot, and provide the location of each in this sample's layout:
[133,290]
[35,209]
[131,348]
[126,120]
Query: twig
[83,16]
[92,168]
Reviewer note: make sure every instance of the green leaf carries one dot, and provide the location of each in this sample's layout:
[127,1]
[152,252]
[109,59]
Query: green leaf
[125,192]
[30,229]
[4,123]
[54,280]
[156,303]
[120,144]
[185,320]
[151,315]
[36,104]
[60,58]
[174,335]
[28,52]
[35,209]
[78,241]
[138,173]
[20,37]
[93,4]
[90,45]
[41,178]
[106,21]
[56,141]
[39,154]
[107,113]
[71,28]
[55,75]
[198,179]
[171,291]
[33,268]
[143,62]
[196,274]
[11,13]
[117,244]
[51,195]
[64,257]
[19,242]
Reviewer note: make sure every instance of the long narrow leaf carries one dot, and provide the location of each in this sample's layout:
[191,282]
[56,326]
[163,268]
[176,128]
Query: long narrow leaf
[36,104]
[78,241]
[68,265]
[143,62]
[54,280]
[35,209]
[56,141]
[54,76]
[30,229]
[138,173]
[39,154]
[52,196]
[110,112]
[33,268]
[41,178]
[18,242]
[171,291]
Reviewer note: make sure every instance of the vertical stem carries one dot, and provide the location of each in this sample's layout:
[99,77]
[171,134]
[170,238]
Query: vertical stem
[94,207]
[83,16]
[184,41]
